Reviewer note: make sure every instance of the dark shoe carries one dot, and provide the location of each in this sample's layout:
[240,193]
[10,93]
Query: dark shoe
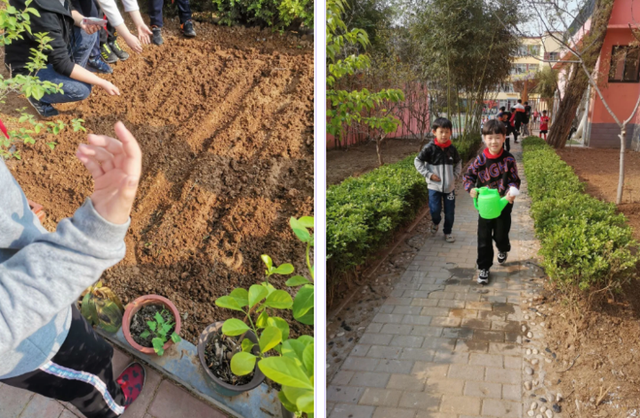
[131,381]
[45,110]
[120,53]
[96,65]
[107,54]
[502,258]
[434,228]
[187,29]
[483,276]
[156,38]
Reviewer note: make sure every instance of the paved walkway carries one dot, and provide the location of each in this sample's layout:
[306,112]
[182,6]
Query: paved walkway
[441,346]
[160,398]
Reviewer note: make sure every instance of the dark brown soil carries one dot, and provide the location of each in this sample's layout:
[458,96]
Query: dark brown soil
[360,159]
[225,122]
[144,315]
[599,168]
[218,353]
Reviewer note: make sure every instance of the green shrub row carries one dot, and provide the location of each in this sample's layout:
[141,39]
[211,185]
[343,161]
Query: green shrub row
[468,145]
[585,243]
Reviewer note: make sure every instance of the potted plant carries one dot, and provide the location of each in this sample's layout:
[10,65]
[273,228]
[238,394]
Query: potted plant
[151,323]
[288,362]
[102,308]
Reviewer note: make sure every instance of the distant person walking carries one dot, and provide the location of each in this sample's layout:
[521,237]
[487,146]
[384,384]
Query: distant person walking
[544,124]
[527,119]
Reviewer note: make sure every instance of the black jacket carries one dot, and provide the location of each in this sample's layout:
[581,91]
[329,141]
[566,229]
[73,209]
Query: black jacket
[445,163]
[57,21]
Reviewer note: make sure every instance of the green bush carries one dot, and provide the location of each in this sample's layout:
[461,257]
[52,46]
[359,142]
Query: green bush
[585,243]
[362,212]
[279,14]
[468,145]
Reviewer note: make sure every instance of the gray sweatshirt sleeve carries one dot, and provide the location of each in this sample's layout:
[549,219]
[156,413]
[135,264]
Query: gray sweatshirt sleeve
[49,273]
[420,162]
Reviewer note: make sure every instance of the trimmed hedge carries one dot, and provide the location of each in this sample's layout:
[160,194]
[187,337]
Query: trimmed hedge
[585,243]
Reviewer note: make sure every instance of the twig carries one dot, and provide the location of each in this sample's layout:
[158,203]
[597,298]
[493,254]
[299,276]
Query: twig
[602,395]
[571,365]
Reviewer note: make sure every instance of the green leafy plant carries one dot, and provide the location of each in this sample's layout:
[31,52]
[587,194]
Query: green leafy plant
[586,245]
[159,329]
[279,14]
[293,368]
[102,308]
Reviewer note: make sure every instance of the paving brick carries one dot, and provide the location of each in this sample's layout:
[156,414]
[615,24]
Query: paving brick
[387,318]
[474,323]
[417,320]
[407,310]
[501,408]
[380,397]
[420,354]
[13,401]
[351,411]
[407,341]
[385,309]
[359,364]
[512,362]
[445,386]
[424,302]
[440,321]
[460,404]
[425,331]
[119,361]
[394,366]
[471,346]
[442,295]
[360,350]
[378,351]
[424,402]
[487,360]
[463,313]
[408,382]
[439,343]
[425,370]
[480,306]
[375,339]
[430,311]
[466,372]
[457,333]
[344,394]
[512,392]
[68,414]
[342,378]
[395,329]
[398,301]
[507,376]
[451,357]
[370,379]
[41,407]
[491,336]
[374,328]
[483,389]
[384,412]
[452,304]
[171,401]
[72,409]
[507,349]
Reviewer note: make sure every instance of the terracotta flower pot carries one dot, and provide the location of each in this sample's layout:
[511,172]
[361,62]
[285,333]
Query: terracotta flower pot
[138,304]
[221,386]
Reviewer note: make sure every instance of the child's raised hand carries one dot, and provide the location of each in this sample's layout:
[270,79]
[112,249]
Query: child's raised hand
[116,166]
[510,198]
[473,193]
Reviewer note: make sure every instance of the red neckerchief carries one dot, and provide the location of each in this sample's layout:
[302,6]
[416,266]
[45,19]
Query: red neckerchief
[443,145]
[488,154]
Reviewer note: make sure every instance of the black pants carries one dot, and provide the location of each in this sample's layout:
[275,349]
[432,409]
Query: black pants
[80,373]
[155,11]
[507,146]
[490,230]
[108,35]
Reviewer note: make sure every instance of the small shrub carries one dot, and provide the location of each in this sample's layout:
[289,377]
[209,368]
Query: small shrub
[585,243]
[468,145]
[279,14]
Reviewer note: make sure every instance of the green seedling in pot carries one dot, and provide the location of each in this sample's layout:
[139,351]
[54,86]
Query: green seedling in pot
[160,328]
[101,307]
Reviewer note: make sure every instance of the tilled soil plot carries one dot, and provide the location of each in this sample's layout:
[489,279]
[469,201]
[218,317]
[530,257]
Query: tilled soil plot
[225,122]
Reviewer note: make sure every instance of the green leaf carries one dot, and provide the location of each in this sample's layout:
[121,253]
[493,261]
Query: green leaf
[303,301]
[158,343]
[88,309]
[294,349]
[152,325]
[284,269]
[281,324]
[279,299]
[288,405]
[241,296]
[271,336]
[285,371]
[299,229]
[159,319]
[243,363]
[256,294]
[306,221]
[175,338]
[247,345]
[307,359]
[261,322]
[305,339]
[145,334]
[234,327]
[229,303]
[267,260]
[297,281]
[306,402]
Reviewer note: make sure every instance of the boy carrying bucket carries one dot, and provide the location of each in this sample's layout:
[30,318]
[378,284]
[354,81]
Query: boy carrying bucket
[494,168]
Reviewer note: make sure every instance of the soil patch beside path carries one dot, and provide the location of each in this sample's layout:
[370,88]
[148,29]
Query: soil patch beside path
[225,122]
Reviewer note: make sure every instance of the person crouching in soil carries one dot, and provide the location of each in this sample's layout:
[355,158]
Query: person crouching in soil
[494,168]
[71,46]
[441,165]
[46,346]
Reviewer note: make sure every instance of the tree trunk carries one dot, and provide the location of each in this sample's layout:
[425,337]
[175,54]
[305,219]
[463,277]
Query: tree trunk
[579,80]
[378,144]
[623,134]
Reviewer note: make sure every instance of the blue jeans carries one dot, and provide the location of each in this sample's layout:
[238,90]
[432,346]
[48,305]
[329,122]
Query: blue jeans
[74,90]
[155,11]
[435,206]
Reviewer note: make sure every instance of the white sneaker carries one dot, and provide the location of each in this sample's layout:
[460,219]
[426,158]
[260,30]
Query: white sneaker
[502,258]
[483,276]
[434,228]
[449,238]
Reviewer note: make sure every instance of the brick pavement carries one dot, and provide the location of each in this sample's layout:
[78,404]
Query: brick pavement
[442,346]
[160,398]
